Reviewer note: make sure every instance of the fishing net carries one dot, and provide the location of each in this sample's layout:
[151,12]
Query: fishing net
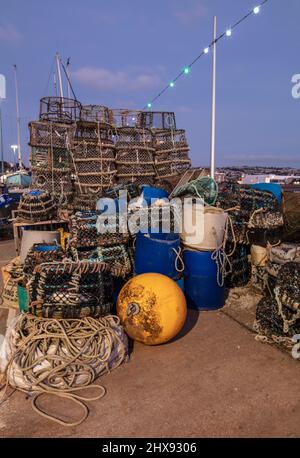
[171,153]
[40,253]
[205,188]
[70,290]
[59,109]
[116,257]
[134,156]
[92,229]
[36,205]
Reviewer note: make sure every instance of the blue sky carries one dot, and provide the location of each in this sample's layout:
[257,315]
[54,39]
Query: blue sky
[123,51]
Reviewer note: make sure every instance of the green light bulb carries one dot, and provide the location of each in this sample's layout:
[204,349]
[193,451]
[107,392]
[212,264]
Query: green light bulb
[186,70]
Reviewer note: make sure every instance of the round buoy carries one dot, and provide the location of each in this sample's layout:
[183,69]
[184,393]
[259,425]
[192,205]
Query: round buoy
[152,308]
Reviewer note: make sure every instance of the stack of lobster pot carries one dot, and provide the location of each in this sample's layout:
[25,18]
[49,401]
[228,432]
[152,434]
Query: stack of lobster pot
[93,156]
[51,143]
[171,149]
[135,155]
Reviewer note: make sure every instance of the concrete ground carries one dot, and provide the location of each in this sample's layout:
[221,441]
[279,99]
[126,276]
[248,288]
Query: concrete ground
[214,380]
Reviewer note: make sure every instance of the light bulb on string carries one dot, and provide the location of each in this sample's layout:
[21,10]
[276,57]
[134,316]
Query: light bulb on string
[228,33]
[186,70]
[149,105]
[206,50]
[256,10]
[172,84]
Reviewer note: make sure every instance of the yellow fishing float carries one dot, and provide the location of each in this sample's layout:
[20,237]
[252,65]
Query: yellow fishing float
[152,308]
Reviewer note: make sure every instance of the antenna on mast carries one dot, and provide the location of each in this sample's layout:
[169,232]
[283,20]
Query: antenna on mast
[59,75]
[18,119]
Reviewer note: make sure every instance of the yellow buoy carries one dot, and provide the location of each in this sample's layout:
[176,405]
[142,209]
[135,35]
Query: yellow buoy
[152,308]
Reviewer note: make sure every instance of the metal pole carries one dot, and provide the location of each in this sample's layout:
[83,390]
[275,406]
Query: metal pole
[213,111]
[18,120]
[1,140]
[68,73]
[59,75]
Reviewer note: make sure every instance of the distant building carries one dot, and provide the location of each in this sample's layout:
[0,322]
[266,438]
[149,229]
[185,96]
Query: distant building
[270,178]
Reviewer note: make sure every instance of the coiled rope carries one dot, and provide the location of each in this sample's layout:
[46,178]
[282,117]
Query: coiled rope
[60,357]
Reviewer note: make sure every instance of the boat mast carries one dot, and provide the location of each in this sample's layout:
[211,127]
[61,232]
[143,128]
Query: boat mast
[18,119]
[59,75]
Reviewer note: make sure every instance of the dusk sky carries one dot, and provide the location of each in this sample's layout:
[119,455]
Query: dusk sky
[124,51]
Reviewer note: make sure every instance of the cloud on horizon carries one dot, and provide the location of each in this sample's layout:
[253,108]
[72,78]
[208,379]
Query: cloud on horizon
[120,80]
[9,34]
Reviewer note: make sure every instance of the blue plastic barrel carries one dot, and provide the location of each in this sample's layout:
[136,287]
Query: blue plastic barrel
[274,188]
[156,254]
[200,281]
[150,194]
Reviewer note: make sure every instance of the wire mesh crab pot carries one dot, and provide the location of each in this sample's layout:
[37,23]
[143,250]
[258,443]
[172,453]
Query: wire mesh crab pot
[157,120]
[59,109]
[125,118]
[58,184]
[70,290]
[36,205]
[132,191]
[40,253]
[240,267]
[171,153]
[94,166]
[116,257]
[51,165]
[90,229]
[96,113]
[134,155]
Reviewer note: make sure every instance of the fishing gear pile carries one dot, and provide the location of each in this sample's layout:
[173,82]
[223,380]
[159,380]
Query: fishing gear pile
[59,358]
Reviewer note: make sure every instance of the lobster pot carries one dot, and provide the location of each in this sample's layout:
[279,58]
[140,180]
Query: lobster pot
[287,289]
[58,184]
[59,109]
[50,158]
[155,254]
[116,257]
[125,118]
[36,205]
[96,114]
[40,253]
[283,253]
[84,202]
[240,266]
[202,289]
[213,221]
[89,229]
[171,153]
[93,158]
[157,120]
[134,156]
[70,290]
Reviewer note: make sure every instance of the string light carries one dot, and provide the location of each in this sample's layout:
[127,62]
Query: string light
[187,69]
